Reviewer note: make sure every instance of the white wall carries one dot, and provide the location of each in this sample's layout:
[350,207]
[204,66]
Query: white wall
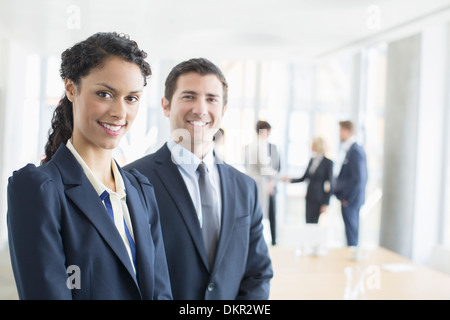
[13,70]
[413,201]
[3,64]
[428,204]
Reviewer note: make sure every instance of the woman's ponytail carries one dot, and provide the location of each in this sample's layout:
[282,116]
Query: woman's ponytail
[62,126]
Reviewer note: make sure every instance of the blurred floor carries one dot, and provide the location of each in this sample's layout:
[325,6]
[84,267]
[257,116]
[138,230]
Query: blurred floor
[291,226]
[7,285]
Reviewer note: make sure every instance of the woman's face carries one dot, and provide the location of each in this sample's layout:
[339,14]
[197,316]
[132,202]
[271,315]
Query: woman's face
[105,104]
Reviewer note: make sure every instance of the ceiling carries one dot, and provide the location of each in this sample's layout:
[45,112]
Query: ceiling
[231,29]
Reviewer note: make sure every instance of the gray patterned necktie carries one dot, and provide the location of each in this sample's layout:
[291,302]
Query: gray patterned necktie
[210,216]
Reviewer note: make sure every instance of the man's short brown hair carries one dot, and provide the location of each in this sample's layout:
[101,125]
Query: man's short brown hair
[347,125]
[262,125]
[201,66]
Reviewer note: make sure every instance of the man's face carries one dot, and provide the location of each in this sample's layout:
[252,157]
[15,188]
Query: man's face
[344,134]
[264,133]
[197,108]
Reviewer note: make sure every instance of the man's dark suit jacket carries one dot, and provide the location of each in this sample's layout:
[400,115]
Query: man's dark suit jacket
[351,182]
[317,191]
[56,221]
[242,268]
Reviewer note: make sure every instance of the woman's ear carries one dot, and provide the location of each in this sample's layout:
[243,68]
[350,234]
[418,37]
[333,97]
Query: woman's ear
[70,88]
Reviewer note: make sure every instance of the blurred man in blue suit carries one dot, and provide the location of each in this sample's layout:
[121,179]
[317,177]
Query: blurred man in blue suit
[212,227]
[350,187]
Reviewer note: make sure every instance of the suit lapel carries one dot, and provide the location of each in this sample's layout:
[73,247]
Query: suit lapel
[228,212]
[349,152]
[141,231]
[319,167]
[172,180]
[346,159]
[81,192]
[309,167]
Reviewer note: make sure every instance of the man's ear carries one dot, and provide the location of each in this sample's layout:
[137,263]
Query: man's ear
[224,109]
[166,106]
[70,88]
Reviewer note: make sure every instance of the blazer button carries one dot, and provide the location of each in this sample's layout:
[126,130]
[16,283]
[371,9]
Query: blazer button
[211,286]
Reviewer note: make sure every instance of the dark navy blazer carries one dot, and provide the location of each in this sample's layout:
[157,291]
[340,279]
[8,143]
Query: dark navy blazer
[317,191]
[56,220]
[242,268]
[351,182]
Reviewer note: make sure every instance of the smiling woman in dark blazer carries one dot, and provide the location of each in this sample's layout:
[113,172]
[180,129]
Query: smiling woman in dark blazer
[319,174]
[79,226]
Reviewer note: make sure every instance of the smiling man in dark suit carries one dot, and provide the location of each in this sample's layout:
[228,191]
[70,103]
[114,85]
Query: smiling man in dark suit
[210,212]
[350,187]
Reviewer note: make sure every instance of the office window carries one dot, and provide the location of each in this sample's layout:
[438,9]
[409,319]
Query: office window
[299,139]
[446,193]
[303,85]
[239,131]
[333,81]
[54,86]
[28,144]
[298,150]
[51,92]
[327,127]
[371,117]
[243,82]
[239,119]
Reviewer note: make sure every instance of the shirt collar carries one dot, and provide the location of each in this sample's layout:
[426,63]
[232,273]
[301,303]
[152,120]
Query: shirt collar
[120,185]
[187,160]
[318,157]
[209,160]
[348,143]
[96,183]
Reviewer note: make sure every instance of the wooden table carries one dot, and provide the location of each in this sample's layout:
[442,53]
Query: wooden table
[388,276]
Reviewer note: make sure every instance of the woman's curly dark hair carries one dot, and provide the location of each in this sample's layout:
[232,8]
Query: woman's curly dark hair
[77,62]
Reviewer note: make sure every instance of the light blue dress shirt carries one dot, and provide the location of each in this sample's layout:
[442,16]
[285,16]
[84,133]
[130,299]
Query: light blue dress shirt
[187,164]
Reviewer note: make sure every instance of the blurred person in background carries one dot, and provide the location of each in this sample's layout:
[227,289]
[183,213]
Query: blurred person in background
[319,175]
[263,165]
[350,185]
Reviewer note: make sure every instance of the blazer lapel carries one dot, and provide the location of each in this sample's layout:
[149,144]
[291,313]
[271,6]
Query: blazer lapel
[79,189]
[228,212]
[308,168]
[319,167]
[141,231]
[173,181]
[349,152]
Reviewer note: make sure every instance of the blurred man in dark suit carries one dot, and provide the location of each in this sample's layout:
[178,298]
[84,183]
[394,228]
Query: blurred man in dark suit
[350,186]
